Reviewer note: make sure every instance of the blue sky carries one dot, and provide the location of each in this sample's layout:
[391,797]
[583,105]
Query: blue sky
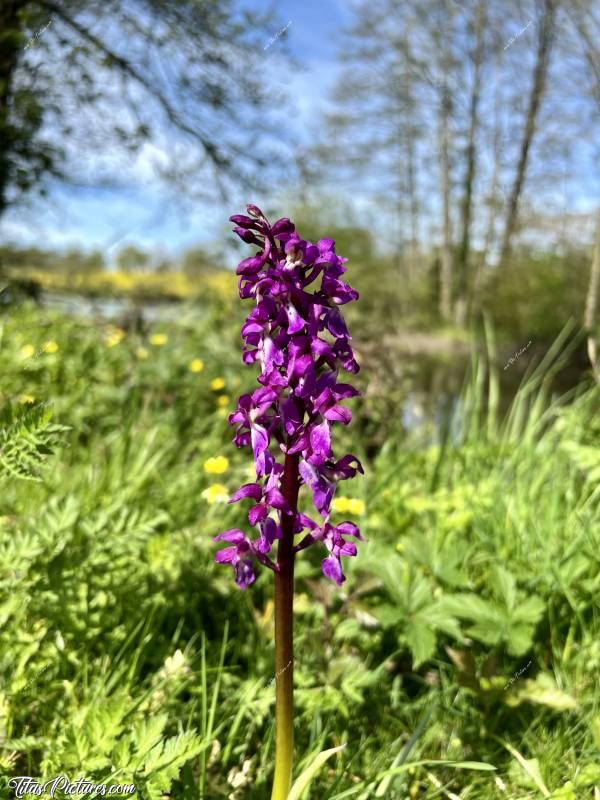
[146,212]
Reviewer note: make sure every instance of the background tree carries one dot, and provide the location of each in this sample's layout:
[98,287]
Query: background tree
[131,258]
[464,125]
[546,27]
[83,85]
[197,261]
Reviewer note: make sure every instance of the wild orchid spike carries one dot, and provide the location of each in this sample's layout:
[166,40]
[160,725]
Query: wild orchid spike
[299,400]
[301,341]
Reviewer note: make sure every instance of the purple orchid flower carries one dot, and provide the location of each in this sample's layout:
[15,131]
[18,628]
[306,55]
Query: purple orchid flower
[299,339]
[234,555]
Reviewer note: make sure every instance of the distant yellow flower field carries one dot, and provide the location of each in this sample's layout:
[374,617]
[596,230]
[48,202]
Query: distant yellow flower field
[220,283]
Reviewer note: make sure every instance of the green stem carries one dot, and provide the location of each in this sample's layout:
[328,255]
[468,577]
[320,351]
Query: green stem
[284,636]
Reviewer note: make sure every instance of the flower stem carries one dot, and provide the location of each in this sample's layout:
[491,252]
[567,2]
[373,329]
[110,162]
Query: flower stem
[284,636]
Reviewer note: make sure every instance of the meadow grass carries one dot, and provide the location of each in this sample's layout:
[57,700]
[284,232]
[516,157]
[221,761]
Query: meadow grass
[460,658]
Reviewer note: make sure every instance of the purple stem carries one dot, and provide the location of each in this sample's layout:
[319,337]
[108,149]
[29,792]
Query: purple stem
[284,634]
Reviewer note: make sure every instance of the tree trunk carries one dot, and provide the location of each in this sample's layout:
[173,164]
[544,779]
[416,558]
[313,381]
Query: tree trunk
[9,56]
[490,233]
[412,199]
[446,265]
[464,290]
[446,271]
[545,41]
[591,304]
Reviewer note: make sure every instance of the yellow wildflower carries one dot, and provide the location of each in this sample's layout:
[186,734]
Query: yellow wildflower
[217,465]
[141,352]
[217,384]
[158,339]
[50,347]
[114,337]
[26,398]
[340,504]
[27,350]
[197,365]
[217,493]
[222,400]
[349,505]
[356,506]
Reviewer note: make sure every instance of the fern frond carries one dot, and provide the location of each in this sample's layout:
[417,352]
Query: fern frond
[27,436]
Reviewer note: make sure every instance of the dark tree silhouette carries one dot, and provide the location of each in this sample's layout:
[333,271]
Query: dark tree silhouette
[85,84]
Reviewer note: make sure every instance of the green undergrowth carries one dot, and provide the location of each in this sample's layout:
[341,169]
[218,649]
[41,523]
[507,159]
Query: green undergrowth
[459,659]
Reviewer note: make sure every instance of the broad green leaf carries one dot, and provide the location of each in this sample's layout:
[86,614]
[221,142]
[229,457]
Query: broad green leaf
[566,792]
[421,641]
[389,615]
[438,618]
[543,691]
[420,593]
[487,632]
[529,610]
[505,587]
[589,775]
[520,639]
[472,607]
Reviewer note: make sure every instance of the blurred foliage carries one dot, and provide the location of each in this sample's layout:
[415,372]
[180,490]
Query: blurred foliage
[536,292]
[61,118]
[130,258]
[466,634]
[529,298]
[72,261]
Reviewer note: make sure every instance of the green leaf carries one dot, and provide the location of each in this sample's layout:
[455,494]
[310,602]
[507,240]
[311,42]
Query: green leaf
[146,735]
[302,783]
[596,730]
[421,641]
[505,587]
[470,606]
[544,691]
[388,615]
[566,792]
[520,639]
[487,632]
[480,766]
[530,610]
[438,618]
[589,775]
[526,771]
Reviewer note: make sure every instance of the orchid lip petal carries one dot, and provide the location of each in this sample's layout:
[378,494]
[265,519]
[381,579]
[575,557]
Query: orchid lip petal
[231,535]
[252,490]
[332,569]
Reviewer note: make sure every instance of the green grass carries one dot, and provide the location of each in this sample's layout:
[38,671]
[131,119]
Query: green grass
[468,629]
